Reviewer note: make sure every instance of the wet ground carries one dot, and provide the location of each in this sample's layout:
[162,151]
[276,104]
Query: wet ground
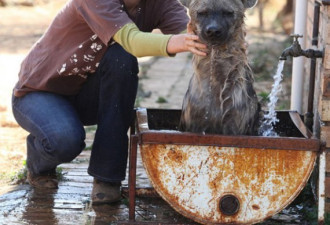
[70,204]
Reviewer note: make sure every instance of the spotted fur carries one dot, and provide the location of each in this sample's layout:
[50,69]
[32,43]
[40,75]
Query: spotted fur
[220,98]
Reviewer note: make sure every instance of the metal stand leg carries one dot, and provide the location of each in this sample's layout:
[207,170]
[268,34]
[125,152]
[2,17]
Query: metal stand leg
[132,176]
[322,166]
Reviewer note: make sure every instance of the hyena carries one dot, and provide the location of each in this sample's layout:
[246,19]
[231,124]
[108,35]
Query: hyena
[220,98]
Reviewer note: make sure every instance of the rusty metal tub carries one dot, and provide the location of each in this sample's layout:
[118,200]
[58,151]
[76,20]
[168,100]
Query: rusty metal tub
[216,179]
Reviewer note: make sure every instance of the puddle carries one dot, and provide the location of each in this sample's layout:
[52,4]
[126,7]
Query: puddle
[49,207]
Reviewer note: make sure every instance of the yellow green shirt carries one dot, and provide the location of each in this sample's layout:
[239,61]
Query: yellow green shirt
[140,43]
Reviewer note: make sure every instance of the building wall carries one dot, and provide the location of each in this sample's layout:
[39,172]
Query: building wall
[322,85]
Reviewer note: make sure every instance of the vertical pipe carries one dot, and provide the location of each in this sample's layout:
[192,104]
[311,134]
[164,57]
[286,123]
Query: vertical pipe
[321,203]
[298,63]
[322,157]
[309,115]
[132,176]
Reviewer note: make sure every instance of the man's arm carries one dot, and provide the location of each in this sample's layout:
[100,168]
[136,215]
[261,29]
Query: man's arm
[149,44]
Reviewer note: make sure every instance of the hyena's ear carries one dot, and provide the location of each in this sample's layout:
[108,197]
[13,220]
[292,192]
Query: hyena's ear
[249,3]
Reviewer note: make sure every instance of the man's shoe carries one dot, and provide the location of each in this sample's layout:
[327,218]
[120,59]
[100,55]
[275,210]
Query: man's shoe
[47,180]
[105,192]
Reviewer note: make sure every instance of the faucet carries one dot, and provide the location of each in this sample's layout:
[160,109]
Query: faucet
[295,50]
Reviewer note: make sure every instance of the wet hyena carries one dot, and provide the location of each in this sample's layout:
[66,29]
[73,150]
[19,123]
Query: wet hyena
[220,98]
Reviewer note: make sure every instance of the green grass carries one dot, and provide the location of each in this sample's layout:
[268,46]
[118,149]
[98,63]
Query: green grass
[125,201]
[20,176]
[264,97]
[161,100]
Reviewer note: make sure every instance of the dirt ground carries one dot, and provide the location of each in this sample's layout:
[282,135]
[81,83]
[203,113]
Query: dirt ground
[21,26]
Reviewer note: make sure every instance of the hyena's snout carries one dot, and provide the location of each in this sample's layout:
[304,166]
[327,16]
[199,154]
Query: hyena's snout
[214,32]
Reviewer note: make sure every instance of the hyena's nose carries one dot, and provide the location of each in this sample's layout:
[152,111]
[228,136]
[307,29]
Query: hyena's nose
[213,31]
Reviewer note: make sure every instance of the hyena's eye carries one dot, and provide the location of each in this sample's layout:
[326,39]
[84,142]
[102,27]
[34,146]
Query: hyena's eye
[228,13]
[202,13]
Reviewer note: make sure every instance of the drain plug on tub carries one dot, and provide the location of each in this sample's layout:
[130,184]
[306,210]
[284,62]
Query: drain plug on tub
[229,205]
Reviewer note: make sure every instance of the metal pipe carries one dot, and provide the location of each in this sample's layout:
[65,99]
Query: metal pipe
[132,175]
[310,112]
[321,200]
[298,63]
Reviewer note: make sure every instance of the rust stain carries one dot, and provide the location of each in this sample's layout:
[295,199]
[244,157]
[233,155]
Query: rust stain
[193,178]
[175,156]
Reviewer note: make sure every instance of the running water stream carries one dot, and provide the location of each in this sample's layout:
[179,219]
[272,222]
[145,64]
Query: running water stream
[269,120]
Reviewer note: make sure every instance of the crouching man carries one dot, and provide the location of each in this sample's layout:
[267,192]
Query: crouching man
[83,71]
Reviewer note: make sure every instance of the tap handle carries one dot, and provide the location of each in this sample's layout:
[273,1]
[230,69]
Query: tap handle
[296,37]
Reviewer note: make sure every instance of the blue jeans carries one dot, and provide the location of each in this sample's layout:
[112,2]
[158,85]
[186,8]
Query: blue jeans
[56,122]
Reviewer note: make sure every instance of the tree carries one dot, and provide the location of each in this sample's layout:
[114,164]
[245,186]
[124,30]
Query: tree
[285,16]
[261,6]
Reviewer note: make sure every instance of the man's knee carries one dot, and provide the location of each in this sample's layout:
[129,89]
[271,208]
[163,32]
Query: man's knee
[66,145]
[116,59]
